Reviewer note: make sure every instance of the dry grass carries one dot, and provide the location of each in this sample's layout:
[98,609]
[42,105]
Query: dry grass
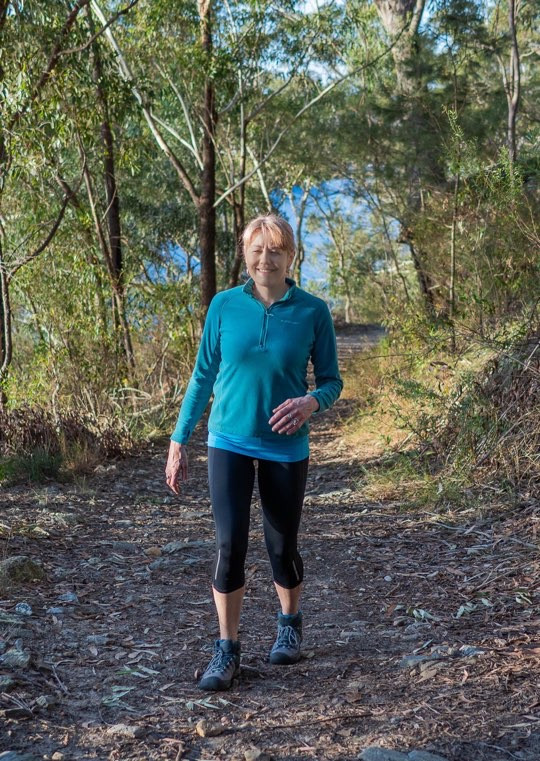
[440,428]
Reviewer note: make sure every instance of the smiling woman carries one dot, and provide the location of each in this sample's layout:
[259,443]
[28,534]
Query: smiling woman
[269,253]
[254,353]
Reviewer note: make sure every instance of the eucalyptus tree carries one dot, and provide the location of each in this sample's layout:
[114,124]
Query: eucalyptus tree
[211,83]
[23,81]
[398,142]
[39,179]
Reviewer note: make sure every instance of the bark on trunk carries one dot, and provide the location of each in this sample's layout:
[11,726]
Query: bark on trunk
[239,224]
[114,228]
[424,281]
[300,253]
[5,325]
[400,19]
[207,212]
[514,83]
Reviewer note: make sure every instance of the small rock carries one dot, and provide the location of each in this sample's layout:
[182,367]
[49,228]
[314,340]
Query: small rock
[381,754]
[126,730]
[68,597]
[424,755]
[410,661]
[429,672]
[23,609]
[388,578]
[68,519]
[126,547]
[57,756]
[174,547]
[124,522]
[206,729]
[15,658]
[55,610]
[153,552]
[97,639]
[468,651]
[18,568]
[255,754]
[45,701]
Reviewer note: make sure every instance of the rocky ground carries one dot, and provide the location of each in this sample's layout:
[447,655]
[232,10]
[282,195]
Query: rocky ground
[420,628]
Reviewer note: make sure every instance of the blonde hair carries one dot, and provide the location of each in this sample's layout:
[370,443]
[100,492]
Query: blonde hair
[277,229]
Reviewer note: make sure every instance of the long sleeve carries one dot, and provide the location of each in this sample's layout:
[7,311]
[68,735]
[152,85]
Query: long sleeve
[203,377]
[328,381]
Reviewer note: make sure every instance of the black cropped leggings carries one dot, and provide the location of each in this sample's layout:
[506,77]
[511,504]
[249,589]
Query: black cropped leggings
[281,486]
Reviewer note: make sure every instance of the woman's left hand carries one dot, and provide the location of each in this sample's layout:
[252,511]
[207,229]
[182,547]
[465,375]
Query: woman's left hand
[293,413]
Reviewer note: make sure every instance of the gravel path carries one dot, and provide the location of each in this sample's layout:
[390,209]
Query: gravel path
[122,620]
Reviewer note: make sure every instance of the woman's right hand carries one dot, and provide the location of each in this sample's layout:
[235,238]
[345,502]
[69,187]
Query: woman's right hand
[177,466]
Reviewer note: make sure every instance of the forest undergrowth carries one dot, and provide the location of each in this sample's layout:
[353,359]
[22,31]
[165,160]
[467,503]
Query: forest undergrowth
[448,425]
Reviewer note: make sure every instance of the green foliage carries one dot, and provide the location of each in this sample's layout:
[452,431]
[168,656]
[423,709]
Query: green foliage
[36,467]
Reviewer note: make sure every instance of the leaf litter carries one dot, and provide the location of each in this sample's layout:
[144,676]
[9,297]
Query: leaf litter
[384,585]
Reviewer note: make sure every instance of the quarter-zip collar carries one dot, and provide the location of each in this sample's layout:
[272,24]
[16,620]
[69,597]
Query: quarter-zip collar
[248,288]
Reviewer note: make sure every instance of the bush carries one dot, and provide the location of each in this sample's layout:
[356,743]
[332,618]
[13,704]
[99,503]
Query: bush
[35,444]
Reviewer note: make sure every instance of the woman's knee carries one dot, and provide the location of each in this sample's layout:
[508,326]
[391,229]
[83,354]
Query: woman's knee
[228,571]
[287,568]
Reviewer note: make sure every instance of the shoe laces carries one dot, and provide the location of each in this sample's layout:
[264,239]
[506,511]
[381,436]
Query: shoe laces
[288,637]
[220,661]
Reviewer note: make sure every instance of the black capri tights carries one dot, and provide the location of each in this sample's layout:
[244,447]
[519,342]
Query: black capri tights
[281,486]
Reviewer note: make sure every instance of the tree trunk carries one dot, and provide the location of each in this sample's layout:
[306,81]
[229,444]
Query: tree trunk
[300,253]
[400,19]
[207,212]
[514,83]
[5,328]
[424,281]
[115,260]
[239,224]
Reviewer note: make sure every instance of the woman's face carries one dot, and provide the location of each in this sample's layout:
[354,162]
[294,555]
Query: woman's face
[266,264]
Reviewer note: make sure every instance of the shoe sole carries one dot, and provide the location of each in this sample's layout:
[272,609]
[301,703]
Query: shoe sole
[280,659]
[214,684]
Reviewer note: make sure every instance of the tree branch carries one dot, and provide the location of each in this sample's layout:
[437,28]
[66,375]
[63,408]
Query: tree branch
[297,116]
[98,34]
[52,232]
[193,148]
[126,74]
[53,60]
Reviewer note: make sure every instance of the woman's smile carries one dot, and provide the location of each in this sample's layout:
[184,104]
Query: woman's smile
[267,262]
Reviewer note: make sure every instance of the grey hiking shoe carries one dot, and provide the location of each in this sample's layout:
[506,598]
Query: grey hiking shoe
[286,649]
[223,667]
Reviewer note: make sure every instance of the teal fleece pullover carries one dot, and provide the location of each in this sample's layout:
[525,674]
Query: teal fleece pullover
[254,358]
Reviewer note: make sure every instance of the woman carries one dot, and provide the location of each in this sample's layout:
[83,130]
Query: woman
[253,355]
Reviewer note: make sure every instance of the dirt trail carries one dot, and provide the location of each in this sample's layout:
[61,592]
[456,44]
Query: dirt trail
[382,583]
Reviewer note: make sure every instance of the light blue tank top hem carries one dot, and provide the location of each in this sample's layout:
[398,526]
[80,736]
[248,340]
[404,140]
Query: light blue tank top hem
[288,450]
